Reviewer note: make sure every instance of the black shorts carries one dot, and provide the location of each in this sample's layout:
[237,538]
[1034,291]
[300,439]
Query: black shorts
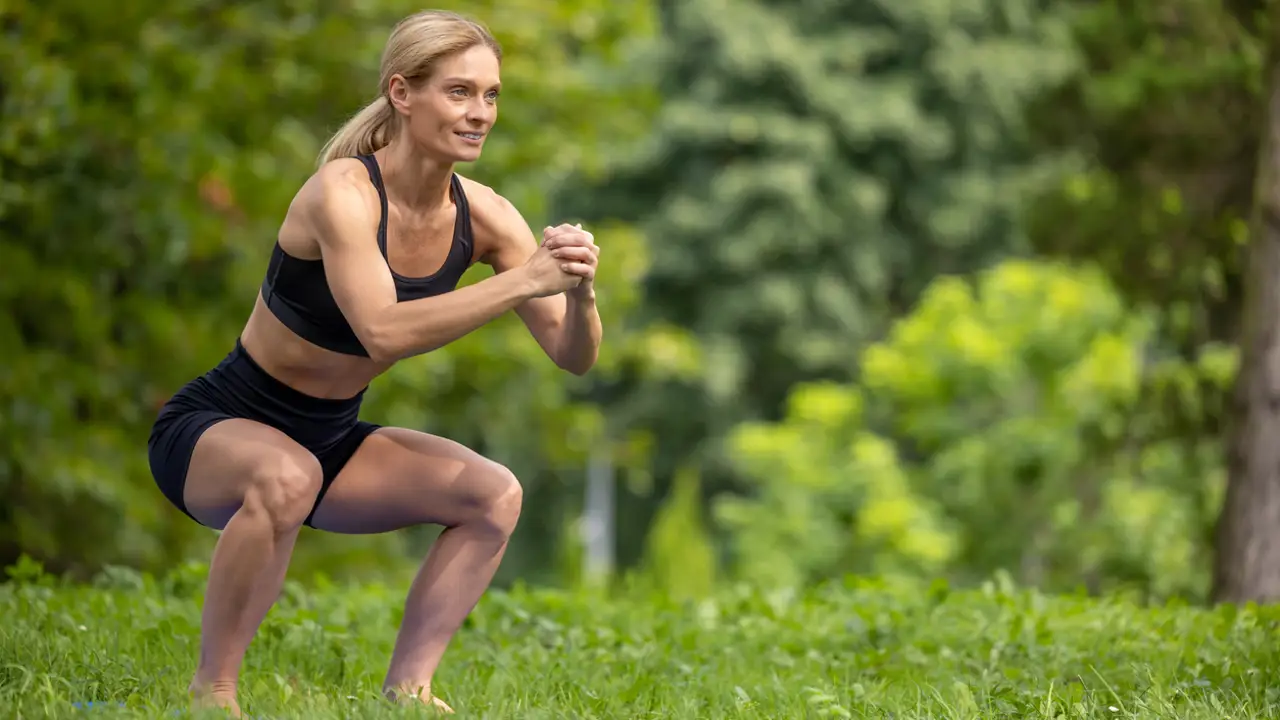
[239,388]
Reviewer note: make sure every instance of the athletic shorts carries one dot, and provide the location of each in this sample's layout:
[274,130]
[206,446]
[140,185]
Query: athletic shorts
[239,388]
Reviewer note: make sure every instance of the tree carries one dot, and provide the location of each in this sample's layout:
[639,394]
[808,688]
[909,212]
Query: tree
[1161,199]
[1248,551]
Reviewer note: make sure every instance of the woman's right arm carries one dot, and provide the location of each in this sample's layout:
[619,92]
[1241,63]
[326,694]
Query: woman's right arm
[361,283]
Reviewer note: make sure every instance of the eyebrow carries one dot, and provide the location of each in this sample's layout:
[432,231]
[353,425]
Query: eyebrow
[465,81]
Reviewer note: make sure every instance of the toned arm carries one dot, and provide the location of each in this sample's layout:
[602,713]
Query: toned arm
[565,325]
[362,286]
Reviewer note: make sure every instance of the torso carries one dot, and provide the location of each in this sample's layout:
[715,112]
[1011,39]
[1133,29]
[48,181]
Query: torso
[426,254]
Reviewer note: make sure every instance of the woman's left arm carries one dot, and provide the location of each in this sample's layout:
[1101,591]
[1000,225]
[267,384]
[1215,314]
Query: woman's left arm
[566,326]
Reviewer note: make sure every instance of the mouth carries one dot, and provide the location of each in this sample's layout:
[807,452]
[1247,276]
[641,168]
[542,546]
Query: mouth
[474,138]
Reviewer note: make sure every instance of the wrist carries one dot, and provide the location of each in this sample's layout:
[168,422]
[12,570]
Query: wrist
[524,285]
[584,294]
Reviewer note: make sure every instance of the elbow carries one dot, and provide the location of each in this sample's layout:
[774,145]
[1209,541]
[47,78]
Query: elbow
[579,370]
[578,366]
[379,344]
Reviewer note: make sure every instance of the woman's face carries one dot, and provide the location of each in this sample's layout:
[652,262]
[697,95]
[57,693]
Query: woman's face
[451,113]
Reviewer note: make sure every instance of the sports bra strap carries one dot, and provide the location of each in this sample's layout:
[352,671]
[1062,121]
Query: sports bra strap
[375,175]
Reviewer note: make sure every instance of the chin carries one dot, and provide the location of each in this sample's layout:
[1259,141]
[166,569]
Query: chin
[469,153]
[457,155]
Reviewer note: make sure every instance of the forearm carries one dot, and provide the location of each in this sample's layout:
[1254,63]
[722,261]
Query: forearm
[419,326]
[579,344]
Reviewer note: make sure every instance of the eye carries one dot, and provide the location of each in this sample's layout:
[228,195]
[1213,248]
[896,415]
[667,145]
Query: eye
[492,95]
[458,91]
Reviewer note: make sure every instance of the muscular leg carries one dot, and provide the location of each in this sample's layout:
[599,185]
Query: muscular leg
[400,478]
[258,486]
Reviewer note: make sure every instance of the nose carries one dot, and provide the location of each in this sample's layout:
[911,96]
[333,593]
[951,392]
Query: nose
[480,112]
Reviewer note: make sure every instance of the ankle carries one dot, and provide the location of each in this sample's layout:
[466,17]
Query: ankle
[406,690]
[202,686]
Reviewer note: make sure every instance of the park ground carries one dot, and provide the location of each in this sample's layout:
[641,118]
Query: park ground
[860,649]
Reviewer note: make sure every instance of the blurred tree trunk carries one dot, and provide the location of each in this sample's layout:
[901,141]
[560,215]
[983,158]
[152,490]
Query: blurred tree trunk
[1247,566]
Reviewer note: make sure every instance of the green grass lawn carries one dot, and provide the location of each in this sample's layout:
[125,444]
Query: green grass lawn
[842,651]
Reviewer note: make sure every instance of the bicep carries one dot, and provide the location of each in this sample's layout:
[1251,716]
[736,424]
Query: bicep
[358,277]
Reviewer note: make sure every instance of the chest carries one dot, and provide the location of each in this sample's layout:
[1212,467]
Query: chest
[420,246]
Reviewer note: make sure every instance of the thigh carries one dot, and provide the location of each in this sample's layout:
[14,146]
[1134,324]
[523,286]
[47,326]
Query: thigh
[399,478]
[229,457]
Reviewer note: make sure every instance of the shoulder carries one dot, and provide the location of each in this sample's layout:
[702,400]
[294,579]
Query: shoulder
[337,195]
[336,201]
[336,205]
[496,223]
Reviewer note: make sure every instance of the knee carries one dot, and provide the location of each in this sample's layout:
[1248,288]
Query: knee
[502,500]
[284,490]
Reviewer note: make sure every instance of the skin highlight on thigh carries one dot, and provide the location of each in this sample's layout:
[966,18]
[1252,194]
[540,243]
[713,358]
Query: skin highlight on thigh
[400,478]
[225,461]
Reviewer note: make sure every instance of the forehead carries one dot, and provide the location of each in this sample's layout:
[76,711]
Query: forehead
[477,65]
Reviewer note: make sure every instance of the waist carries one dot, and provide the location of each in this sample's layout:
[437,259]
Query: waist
[240,374]
[302,364]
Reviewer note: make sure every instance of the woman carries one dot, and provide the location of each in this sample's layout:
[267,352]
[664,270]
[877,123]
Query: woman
[363,274]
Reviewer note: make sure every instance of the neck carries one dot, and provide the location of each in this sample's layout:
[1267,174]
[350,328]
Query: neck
[412,178]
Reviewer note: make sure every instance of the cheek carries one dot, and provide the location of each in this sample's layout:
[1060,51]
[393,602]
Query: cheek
[429,115]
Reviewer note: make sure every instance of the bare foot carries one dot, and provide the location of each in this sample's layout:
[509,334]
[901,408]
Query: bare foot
[440,705]
[215,698]
[401,697]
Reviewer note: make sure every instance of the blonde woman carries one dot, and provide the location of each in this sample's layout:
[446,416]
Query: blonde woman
[363,274]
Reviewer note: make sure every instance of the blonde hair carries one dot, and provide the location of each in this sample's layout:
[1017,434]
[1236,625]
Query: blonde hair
[416,44]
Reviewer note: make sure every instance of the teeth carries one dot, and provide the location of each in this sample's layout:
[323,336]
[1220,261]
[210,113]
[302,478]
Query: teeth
[472,136]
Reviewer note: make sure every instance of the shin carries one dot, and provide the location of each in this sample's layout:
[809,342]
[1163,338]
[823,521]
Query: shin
[454,576]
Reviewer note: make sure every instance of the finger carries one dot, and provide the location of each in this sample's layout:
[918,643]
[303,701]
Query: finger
[575,253]
[563,239]
[581,269]
[575,237]
[549,232]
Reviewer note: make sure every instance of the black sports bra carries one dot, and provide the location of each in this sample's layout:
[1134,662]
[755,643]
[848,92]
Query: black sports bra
[296,291]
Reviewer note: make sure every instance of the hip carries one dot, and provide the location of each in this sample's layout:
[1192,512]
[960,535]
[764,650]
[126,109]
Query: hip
[239,387]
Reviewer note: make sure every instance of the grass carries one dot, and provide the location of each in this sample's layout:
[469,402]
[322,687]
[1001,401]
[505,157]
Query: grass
[854,650]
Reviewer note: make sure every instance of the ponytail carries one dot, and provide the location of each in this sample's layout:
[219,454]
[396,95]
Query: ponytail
[364,133]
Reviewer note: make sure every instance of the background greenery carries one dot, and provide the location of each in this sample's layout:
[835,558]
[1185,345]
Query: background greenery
[895,289]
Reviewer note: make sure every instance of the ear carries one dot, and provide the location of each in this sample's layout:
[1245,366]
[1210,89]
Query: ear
[398,93]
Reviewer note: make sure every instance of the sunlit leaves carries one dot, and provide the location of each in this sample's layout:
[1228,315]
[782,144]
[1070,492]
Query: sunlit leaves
[990,430]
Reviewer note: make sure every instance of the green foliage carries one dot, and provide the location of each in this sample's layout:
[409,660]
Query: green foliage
[1160,188]
[1011,404]
[830,498]
[861,650]
[147,156]
[680,560]
[1158,197]
[773,183]
[814,165]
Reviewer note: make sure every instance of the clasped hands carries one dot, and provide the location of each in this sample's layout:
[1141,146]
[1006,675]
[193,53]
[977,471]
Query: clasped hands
[578,254]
